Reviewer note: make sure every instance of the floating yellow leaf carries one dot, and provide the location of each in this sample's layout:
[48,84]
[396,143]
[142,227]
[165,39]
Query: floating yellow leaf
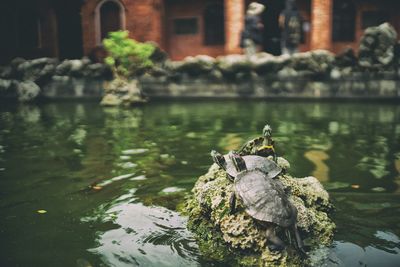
[355,186]
[97,187]
[41,211]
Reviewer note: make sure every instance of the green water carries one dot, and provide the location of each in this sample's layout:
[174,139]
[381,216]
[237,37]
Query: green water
[144,160]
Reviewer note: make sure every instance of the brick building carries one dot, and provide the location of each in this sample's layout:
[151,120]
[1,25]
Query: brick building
[72,28]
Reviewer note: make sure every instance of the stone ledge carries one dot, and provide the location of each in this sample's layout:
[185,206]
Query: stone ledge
[278,88]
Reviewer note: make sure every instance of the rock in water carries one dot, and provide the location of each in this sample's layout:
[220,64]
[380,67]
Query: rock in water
[27,91]
[237,239]
[377,46]
[122,92]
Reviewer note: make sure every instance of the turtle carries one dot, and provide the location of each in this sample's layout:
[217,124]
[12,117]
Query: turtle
[264,199]
[262,146]
[270,168]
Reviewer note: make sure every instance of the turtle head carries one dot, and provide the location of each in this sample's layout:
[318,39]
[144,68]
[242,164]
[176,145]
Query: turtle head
[267,131]
[238,161]
[219,159]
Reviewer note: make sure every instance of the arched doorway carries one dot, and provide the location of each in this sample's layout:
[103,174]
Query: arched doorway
[110,16]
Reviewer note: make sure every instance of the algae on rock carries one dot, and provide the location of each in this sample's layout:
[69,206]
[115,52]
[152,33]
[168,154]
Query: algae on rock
[122,92]
[237,239]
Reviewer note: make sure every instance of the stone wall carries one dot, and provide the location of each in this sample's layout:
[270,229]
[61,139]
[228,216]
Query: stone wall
[372,73]
[26,80]
[264,88]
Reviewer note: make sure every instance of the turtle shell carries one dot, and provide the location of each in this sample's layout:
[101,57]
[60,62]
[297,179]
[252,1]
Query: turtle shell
[270,168]
[264,199]
[249,145]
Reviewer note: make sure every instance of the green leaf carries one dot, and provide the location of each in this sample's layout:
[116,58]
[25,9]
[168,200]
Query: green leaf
[127,55]
[109,61]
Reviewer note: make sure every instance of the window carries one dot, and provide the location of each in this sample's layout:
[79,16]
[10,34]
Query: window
[344,21]
[373,18]
[214,28]
[186,26]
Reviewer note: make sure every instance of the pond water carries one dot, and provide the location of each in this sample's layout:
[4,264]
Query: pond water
[82,185]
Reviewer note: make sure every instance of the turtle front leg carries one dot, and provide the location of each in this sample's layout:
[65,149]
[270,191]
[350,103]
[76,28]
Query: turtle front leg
[273,152]
[299,242]
[232,203]
[274,156]
[275,243]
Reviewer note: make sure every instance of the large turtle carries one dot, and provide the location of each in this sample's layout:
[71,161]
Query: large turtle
[262,146]
[270,168]
[264,199]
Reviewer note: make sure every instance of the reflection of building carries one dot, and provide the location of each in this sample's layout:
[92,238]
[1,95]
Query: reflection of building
[71,28]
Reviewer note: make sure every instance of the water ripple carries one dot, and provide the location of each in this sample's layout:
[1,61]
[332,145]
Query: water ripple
[147,236]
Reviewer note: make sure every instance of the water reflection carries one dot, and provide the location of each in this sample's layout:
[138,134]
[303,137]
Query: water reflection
[397,178]
[143,235]
[321,170]
[52,156]
[349,254]
[231,141]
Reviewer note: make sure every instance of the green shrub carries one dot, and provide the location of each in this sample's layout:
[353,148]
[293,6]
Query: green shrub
[126,56]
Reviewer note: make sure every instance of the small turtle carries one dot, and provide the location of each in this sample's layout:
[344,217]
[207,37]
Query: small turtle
[270,168]
[264,199]
[261,146]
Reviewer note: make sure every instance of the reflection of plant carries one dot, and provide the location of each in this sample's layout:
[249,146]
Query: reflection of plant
[126,56]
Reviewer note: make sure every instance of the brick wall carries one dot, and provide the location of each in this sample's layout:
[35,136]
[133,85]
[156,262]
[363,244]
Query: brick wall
[88,25]
[321,24]
[393,18]
[181,45]
[143,19]
[151,20]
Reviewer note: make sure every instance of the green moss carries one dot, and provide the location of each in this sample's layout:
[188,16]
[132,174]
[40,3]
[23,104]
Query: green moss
[237,239]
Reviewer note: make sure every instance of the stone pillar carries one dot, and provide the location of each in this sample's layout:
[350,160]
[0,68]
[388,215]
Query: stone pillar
[234,22]
[321,24]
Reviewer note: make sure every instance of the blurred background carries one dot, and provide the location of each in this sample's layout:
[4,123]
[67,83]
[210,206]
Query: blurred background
[69,29]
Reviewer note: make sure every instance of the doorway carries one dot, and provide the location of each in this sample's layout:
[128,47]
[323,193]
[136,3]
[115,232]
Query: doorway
[110,20]
[69,29]
[272,32]
[270,19]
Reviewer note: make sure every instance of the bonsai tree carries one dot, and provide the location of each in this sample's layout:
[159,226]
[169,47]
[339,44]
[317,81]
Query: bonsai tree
[127,58]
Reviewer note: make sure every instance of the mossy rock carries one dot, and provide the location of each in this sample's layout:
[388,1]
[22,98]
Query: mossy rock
[122,92]
[237,239]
